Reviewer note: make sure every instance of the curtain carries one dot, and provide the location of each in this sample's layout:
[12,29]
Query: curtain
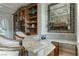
[3,25]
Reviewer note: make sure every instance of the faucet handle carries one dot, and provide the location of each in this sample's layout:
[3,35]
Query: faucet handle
[43,37]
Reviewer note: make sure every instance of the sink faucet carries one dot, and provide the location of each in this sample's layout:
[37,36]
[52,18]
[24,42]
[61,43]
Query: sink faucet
[43,37]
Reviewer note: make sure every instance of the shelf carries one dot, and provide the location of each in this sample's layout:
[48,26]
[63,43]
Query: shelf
[32,5]
[31,22]
[31,27]
[32,17]
[26,18]
[30,33]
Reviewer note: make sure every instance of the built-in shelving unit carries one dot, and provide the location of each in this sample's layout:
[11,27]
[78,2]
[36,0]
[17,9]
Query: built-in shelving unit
[32,19]
[25,19]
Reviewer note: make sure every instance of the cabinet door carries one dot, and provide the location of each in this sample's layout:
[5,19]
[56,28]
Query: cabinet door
[56,50]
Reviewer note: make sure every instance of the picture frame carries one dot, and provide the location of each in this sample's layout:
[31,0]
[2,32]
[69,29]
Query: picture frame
[61,17]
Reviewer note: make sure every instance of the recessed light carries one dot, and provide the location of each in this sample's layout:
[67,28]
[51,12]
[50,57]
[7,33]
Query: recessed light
[0,6]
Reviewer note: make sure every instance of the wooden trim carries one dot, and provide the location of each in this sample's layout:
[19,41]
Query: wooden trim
[76,50]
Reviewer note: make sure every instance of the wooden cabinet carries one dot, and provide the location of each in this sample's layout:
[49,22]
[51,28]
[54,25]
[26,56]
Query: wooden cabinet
[56,50]
[65,49]
[25,19]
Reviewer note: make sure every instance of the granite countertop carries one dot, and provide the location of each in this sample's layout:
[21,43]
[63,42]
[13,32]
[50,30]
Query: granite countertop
[61,41]
[38,47]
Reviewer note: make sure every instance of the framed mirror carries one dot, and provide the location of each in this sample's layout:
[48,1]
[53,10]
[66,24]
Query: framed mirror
[61,17]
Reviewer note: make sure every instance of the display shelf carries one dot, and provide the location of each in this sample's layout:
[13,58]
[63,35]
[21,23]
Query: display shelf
[25,19]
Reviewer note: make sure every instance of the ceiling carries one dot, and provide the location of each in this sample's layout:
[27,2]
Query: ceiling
[10,8]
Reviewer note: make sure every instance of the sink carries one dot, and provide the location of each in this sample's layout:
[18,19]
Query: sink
[34,45]
[38,48]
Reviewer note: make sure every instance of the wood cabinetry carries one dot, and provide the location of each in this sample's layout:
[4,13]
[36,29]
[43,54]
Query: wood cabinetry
[64,49]
[56,50]
[25,19]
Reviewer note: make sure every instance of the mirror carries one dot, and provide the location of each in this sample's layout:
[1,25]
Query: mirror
[61,17]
